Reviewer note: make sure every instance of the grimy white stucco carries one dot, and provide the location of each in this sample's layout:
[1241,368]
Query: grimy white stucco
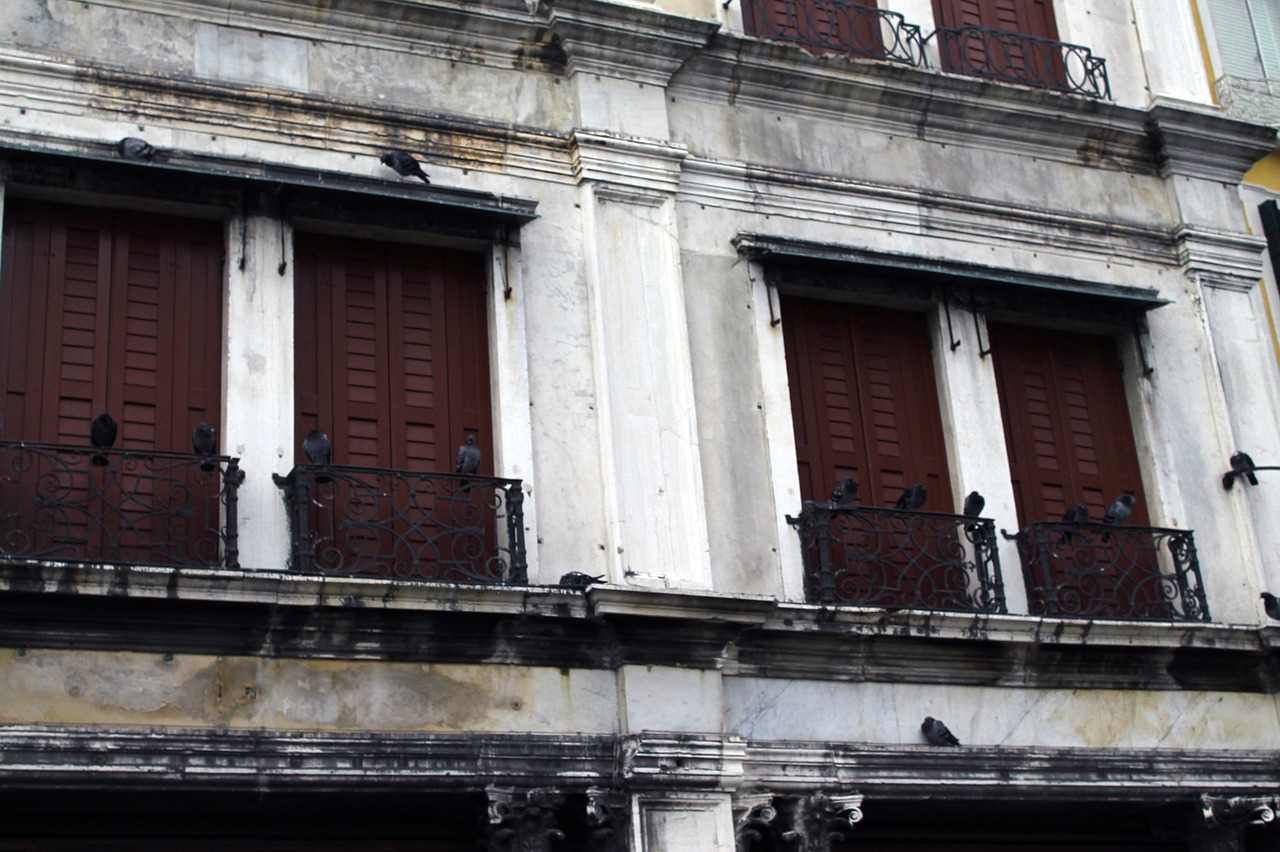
[639,382]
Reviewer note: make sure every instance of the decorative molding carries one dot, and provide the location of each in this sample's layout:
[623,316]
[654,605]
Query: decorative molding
[1226,261]
[887,97]
[629,42]
[250,613]
[808,823]
[608,819]
[1214,823]
[1197,143]
[68,757]
[522,820]
[625,167]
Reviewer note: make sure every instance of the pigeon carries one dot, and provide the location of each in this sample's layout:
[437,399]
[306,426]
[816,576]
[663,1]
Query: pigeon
[317,447]
[403,164]
[1271,605]
[468,457]
[102,434]
[1119,512]
[1077,514]
[845,492]
[133,148]
[1242,464]
[974,504]
[912,498]
[936,733]
[578,580]
[205,442]
[319,450]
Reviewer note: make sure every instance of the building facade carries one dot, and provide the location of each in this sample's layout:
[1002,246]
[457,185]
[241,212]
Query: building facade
[676,269]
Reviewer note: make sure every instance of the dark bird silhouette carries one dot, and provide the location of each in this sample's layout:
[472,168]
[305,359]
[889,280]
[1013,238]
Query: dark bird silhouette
[204,440]
[403,164]
[1271,605]
[578,580]
[1242,464]
[937,733]
[912,498]
[845,493]
[318,449]
[1077,514]
[974,504]
[468,460]
[102,434]
[1118,513]
[133,148]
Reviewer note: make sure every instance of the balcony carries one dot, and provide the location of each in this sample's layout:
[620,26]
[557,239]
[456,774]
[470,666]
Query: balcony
[1100,571]
[78,504]
[894,559]
[1016,58]
[834,26]
[404,525]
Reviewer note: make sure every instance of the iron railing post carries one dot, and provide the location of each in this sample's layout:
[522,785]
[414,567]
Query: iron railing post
[231,481]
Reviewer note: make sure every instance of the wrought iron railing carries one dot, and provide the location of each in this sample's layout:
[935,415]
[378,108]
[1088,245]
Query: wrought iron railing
[888,558]
[1018,58]
[79,504]
[1100,571]
[836,26]
[403,524]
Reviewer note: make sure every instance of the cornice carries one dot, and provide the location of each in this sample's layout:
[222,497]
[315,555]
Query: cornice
[922,104]
[283,615]
[1200,143]
[637,169]
[1228,261]
[626,41]
[185,759]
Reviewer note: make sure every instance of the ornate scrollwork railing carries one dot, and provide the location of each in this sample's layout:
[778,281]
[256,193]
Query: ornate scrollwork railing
[888,558]
[404,524]
[836,26]
[79,504]
[1018,58]
[1100,571]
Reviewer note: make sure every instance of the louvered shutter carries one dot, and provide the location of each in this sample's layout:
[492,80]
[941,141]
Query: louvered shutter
[815,24]
[864,401]
[392,352]
[1066,422]
[119,312]
[1234,25]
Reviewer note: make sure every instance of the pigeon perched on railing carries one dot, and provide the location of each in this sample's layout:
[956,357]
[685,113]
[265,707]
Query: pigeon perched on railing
[468,460]
[912,498]
[845,493]
[1118,513]
[204,440]
[973,506]
[937,733]
[1077,514]
[102,435]
[403,164]
[317,447]
[1271,605]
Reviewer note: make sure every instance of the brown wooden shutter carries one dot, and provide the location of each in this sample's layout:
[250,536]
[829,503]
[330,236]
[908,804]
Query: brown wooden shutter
[864,401]
[1029,17]
[392,352]
[110,311]
[814,23]
[1066,422]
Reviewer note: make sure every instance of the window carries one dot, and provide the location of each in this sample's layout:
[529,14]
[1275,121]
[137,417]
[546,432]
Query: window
[109,311]
[1248,34]
[392,352]
[1066,422]
[864,401]
[1014,40]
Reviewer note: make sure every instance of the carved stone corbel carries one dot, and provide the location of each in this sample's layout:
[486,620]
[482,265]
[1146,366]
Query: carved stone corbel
[522,821]
[799,823]
[1218,824]
[608,819]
